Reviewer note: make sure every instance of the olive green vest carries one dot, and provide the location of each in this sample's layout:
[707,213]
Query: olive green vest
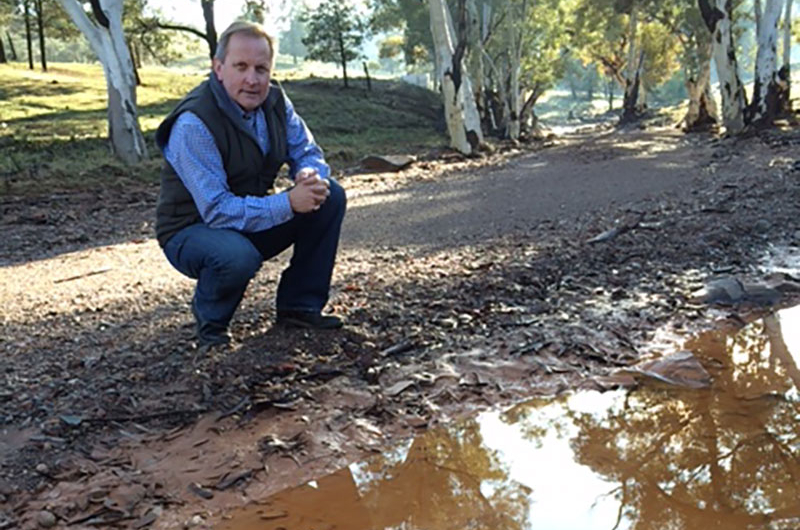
[249,171]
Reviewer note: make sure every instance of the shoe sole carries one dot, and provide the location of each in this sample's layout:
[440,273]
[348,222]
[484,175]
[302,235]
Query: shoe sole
[302,324]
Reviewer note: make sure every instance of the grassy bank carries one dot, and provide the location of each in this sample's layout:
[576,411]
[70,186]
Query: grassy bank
[53,126]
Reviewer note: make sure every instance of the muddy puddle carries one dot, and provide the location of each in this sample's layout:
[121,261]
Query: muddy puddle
[657,456]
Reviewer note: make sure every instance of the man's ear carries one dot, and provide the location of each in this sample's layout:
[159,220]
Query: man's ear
[216,64]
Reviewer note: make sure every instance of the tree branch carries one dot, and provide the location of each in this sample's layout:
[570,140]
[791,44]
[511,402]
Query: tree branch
[99,14]
[176,27]
[711,15]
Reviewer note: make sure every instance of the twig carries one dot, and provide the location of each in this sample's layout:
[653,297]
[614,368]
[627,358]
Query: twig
[608,235]
[243,404]
[145,417]
[79,276]
[398,348]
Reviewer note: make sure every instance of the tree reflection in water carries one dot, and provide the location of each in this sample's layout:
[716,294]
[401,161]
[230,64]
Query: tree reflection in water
[723,458]
[654,458]
[449,479]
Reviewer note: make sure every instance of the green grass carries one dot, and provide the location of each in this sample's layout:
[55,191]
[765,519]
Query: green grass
[53,125]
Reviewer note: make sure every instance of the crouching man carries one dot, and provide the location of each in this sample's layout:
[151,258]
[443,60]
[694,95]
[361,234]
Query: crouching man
[217,220]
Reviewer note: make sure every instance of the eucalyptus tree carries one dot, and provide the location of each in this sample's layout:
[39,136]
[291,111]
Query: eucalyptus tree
[103,28]
[718,16]
[599,35]
[765,101]
[544,55]
[785,72]
[607,32]
[461,112]
[526,55]
[684,21]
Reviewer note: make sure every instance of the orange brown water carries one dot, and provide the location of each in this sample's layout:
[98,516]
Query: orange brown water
[727,457]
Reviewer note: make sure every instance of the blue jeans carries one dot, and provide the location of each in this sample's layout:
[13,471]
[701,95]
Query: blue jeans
[224,261]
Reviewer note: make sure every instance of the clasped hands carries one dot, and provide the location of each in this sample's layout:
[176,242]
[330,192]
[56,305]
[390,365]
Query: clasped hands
[309,191]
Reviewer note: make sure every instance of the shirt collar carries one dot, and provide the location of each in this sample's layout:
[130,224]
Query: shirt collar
[230,107]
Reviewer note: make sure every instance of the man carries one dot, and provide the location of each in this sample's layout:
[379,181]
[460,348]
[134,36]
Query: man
[216,218]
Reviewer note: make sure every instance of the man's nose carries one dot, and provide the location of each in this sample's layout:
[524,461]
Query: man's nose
[251,77]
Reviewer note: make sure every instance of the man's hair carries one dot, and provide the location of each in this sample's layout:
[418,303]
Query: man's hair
[246,28]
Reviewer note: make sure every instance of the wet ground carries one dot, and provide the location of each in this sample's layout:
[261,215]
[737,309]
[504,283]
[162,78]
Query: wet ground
[657,456]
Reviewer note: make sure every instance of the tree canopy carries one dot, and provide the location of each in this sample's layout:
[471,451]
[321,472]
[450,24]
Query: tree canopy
[335,32]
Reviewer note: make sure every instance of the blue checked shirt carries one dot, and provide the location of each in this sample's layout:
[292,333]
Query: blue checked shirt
[193,154]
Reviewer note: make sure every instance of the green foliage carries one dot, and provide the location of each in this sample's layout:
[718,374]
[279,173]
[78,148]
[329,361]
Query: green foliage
[599,35]
[661,54]
[412,18]
[544,44]
[581,80]
[535,30]
[56,21]
[391,47]
[335,32]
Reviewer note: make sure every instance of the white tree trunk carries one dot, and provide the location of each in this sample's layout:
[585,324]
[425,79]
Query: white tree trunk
[514,102]
[765,90]
[107,40]
[702,112]
[471,114]
[515,66]
[787,35]
[461,114]
[718,19]
[785,73]
[476,57]
[633,24]
[501,94]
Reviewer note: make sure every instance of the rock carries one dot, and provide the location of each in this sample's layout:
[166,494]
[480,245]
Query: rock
[761,226]
[761,294]
[678,369]
[722,291]
[731,291]
[41,469]
[46,519]
[387,163]
[194,522]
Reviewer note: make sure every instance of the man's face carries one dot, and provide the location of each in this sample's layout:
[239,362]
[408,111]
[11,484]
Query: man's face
[245,71]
